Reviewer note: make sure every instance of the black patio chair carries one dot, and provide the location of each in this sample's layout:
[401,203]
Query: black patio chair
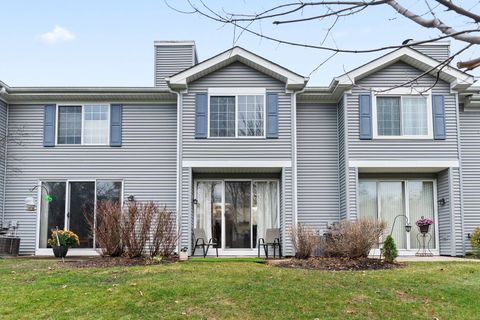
[272,238]
[201,241]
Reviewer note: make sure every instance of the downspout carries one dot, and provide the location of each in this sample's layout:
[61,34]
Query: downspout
[178,173]
[5,168]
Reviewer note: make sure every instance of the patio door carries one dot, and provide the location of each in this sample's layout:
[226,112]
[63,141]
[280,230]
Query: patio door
[81,206]
[236,212]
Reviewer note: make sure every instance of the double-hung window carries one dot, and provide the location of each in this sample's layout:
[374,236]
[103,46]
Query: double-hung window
[240,114]
[83,124]
[405,116]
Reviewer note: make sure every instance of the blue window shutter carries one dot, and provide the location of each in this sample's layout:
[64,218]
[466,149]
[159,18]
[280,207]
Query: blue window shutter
[201,117]
[49,116]
[272,116]
[439,132]
[365,106]
[116,125]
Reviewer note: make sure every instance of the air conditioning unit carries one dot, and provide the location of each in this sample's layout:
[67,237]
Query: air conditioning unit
[9,245]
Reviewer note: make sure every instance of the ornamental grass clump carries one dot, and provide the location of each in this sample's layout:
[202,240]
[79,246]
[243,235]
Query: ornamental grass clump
[304,239]
[64,238]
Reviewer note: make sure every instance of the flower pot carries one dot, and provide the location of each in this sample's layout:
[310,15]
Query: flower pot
[60,251]
[424,229]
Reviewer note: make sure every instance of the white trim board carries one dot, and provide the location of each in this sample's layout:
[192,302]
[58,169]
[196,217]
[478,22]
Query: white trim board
[403,163]
[236,164]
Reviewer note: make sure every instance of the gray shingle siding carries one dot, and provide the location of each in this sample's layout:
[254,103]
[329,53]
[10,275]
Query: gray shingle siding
[401,149]
[317,165]
[435,51]
[146,161]
[3,133]
[470,144]
[444,221]
[342,160]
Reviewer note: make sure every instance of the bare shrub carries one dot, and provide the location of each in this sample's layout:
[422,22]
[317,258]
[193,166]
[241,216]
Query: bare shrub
[164,233]
[353,239]
[107,227]
[304,240]
[137,220]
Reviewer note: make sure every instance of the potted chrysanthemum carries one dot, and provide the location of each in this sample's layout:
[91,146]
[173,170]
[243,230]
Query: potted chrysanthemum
[424,224]
[61,240]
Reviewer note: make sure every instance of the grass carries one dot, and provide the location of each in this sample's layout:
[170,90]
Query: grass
[241,289]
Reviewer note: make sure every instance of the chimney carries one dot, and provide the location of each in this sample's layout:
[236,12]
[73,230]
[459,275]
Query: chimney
[439,50]
[172,57]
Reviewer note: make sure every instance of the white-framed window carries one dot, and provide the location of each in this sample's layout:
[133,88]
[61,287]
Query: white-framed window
[236,112]
[401,113]
[86,124]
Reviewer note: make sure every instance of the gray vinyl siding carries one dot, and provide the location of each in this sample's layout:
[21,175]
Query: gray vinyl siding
[342,160]
[438,52]
[470,162]
[237,75]
[456,211]
[186,209]
[146,161]
[352,192]
[444,221]
[171,59]
[3,133]
[401,149]
[317,165]
[287,214]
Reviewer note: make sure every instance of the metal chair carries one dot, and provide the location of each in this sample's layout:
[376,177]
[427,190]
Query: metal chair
[201,241]
[272,238]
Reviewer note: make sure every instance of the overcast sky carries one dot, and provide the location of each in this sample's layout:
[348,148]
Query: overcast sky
[110,42]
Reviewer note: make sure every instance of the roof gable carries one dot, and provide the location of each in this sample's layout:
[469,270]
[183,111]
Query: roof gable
[292,80]
[457,78]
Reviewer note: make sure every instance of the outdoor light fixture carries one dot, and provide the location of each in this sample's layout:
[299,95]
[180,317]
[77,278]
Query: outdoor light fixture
[408,227]
[441,202]
[131,198]
[195,201]
[30,203]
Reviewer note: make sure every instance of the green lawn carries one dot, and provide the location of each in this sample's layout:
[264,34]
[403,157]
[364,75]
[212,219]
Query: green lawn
[41,289]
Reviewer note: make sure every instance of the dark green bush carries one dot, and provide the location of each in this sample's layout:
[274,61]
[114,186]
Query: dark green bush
[390,249]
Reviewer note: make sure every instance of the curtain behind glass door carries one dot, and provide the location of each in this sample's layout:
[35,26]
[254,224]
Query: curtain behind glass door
[52,213]
[420,204]
[392,199]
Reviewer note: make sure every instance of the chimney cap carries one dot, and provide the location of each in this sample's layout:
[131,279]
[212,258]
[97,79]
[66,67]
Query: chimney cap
[174,43]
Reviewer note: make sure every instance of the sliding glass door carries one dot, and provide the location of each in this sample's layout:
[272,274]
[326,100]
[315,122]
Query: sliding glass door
[388,199]
[71,205]
[236,212]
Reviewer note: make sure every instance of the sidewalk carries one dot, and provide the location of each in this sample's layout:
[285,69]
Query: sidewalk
[434,259]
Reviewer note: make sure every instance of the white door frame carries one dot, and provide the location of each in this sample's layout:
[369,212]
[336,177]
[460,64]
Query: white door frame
[236,251]
[408,251]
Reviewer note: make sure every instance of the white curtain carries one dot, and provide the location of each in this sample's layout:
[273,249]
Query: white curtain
[414,111]
[203,213]
[44,206]
[266,215]
[392,201]
[368,199]
[420,204]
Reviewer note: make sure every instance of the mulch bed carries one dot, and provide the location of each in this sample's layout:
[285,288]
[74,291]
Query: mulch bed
[105,262]
[338,264]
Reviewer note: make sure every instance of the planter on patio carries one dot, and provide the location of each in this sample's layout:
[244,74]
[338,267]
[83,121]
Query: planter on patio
[424,229]
[60,251]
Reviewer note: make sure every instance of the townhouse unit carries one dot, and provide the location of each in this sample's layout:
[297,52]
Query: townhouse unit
[237,144]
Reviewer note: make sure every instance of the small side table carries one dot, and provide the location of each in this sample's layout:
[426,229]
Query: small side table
[423,240]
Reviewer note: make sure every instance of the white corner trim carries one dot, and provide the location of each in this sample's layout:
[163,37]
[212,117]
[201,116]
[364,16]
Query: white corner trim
[236,164]
[403,163]
[237,91]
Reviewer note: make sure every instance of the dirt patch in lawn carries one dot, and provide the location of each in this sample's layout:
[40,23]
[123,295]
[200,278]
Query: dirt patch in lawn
[105,262]
[336,264]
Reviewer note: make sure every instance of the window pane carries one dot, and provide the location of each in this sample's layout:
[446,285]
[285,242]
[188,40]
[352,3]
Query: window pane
[250,116]
[414,116]
[420,204]
[52,210]
[109,190]
[222,116]
[81,209]
[392,204]
[388,116]
[95,127]
[368,199]
[70,125]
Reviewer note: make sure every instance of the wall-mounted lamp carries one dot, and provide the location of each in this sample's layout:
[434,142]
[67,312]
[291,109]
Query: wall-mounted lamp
[441,202]
[195,201]
[131,198]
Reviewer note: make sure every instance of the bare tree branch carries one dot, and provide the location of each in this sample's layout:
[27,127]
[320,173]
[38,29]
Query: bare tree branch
[451,6]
